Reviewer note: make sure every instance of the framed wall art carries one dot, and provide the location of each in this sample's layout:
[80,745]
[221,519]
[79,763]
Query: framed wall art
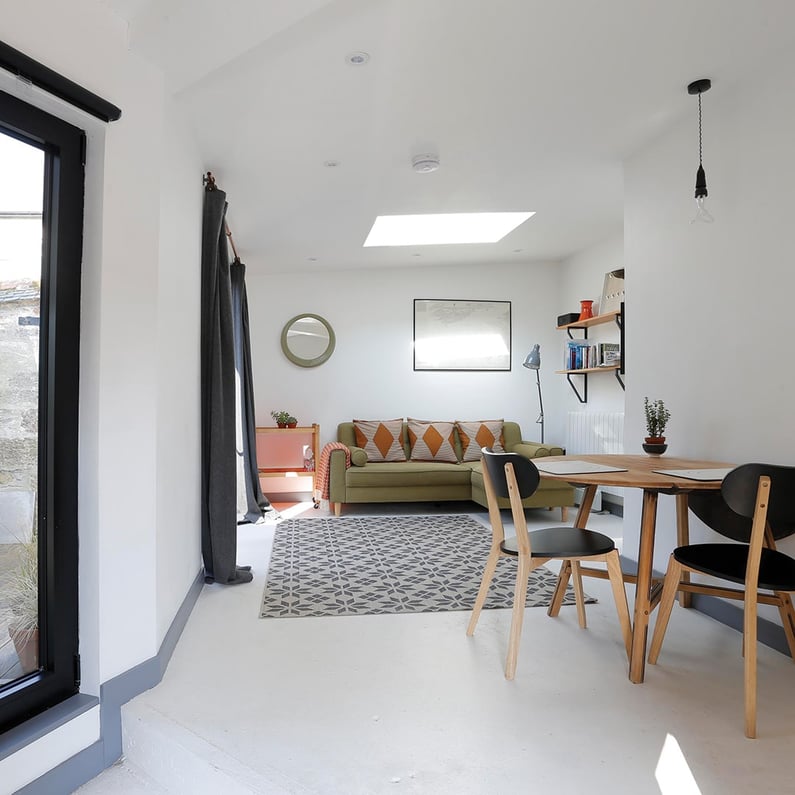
[462,335]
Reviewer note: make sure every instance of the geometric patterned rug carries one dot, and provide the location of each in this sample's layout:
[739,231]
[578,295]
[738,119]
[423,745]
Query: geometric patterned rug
[346,566]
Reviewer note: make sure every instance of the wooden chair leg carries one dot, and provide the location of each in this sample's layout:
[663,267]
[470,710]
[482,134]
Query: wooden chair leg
[519,598]
[788,620]
[564,514]
[749,637]
[670,586]
[613,562]
[579,594]
[485,582]
[560,588]
[337,508]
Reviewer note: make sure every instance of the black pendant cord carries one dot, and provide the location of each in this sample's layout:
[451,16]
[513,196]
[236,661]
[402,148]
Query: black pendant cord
[699,130]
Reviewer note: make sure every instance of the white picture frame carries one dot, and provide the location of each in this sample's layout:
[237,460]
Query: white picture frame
[462,335]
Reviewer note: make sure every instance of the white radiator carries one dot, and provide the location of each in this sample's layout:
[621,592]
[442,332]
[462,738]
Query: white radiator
[595,432]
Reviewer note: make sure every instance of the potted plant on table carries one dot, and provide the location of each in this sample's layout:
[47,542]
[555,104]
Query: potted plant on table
[284,419]
[657,417]
[21,609]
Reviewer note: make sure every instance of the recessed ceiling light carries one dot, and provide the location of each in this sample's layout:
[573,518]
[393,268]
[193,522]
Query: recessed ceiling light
[357,58]
[424,164]
[331,163]
[443,228]
[311,259]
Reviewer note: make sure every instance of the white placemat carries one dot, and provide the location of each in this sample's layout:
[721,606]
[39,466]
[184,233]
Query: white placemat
[696,474]
[573,467]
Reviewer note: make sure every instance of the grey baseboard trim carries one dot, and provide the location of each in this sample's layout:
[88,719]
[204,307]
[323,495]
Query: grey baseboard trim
[768,633]
[114,693]
[34,729]
[613,504]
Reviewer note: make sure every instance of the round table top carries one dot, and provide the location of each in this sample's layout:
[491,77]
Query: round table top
[638,472]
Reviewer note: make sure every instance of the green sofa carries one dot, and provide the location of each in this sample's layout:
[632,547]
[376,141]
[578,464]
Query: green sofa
[430,481]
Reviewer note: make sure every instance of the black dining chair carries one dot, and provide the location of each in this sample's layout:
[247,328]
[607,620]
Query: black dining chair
[511,476]
[756,507]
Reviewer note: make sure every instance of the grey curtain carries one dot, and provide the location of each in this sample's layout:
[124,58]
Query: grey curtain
[219,466]
[257,505]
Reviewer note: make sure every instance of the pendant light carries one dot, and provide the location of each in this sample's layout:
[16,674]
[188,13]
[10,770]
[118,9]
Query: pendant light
[702,213]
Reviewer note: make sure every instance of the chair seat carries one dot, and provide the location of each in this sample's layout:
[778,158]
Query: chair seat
[729,561]
[563,542]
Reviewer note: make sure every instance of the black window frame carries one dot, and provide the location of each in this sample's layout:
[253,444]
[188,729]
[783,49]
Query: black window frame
[64,146]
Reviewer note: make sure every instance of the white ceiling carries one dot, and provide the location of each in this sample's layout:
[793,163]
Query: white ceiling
[530,105]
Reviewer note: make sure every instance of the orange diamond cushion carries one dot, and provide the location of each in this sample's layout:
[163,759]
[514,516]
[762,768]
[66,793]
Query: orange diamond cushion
[382,439]
[483,433]
[432,441]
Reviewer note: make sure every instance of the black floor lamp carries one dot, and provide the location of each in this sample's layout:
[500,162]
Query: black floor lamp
[533,362]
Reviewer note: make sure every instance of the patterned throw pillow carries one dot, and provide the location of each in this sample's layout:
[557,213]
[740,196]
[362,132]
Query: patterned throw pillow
[484,433]
[432,441]
[382,439]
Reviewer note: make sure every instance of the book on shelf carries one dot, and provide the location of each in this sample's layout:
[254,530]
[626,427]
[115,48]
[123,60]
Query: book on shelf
[582,355]
[609,354]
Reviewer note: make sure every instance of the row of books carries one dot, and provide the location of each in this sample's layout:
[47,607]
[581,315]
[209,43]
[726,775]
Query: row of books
[581,355]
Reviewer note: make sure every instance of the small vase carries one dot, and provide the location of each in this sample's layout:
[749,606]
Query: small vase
[654,445]
[586,310]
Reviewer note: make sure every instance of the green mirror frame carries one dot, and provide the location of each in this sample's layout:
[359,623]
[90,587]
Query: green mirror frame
[313,361]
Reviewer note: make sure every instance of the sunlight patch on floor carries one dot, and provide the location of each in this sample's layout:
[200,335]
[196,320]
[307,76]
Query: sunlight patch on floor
[673,774]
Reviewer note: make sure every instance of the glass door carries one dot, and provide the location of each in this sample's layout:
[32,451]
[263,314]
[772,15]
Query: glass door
[21,204]
[42,162]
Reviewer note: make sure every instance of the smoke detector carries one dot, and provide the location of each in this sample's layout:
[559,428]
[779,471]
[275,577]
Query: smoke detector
[424,164]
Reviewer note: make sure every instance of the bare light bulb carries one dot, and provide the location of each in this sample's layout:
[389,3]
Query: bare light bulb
[703,215]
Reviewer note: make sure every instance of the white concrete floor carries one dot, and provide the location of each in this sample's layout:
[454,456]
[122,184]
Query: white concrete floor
[409,704]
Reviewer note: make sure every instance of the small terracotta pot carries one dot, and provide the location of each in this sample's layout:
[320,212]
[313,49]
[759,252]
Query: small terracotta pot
[292,424]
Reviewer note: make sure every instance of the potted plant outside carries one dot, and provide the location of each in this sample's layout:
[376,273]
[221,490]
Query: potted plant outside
[21,611]
[657,417]
[284,419]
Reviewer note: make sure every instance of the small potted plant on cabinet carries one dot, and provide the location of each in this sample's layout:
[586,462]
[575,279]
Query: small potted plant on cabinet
[657,417]
[284,419]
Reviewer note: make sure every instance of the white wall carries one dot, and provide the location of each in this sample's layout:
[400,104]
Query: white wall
[139,416]
[370,374]
[709,305]
[178,481]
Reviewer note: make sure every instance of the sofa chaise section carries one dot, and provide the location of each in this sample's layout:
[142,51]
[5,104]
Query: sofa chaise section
[431,481]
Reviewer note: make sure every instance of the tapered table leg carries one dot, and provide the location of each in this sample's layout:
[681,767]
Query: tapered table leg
[640,624]
[565,566]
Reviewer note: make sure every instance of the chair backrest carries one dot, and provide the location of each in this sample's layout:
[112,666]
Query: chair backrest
[739,490]
[527,477]
[713,509]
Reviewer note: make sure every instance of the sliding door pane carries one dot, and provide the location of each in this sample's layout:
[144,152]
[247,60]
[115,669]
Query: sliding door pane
[21,203]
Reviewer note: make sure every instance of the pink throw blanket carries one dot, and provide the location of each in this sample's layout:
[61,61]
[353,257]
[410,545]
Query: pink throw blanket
[323,469]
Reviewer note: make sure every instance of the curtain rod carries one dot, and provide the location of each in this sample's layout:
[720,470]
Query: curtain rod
[209,184]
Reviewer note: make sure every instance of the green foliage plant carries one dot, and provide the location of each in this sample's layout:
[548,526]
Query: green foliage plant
[657,417]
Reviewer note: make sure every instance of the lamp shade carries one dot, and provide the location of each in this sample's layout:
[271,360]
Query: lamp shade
[533,359]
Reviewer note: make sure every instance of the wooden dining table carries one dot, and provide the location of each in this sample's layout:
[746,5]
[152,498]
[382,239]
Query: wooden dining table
[637,471]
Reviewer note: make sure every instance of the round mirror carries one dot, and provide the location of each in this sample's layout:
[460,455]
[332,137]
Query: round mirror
[307,340]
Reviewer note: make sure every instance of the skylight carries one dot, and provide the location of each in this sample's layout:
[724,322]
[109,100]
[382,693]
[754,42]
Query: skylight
[434,230]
